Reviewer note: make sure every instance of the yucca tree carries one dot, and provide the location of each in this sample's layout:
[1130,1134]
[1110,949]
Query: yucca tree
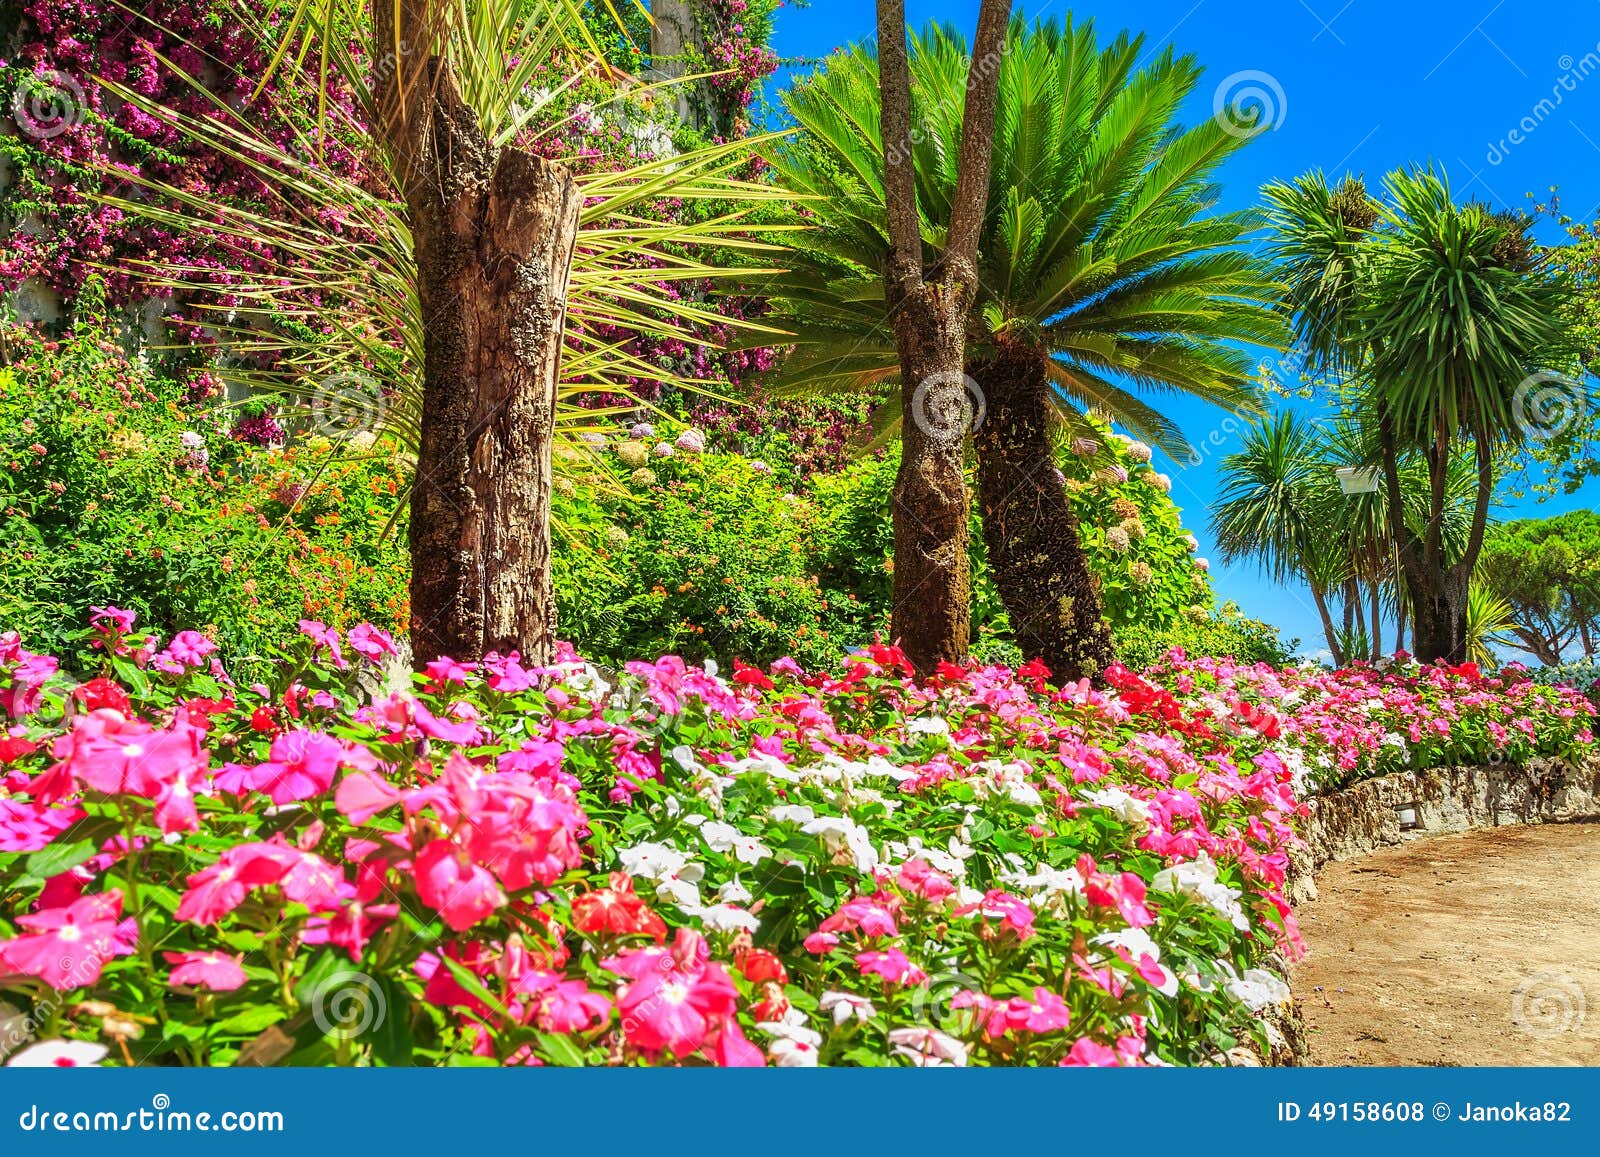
[1442,311]
[1105,276]
[468,285]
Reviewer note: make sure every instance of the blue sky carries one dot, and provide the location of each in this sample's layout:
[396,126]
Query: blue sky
[1367,86]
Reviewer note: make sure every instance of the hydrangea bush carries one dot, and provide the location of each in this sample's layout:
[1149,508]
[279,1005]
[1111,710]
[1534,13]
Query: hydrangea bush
[504,864]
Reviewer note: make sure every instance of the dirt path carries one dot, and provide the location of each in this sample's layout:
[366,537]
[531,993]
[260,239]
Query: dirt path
[1477,949]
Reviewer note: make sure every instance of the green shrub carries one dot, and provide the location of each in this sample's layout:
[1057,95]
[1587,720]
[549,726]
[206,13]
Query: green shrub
[1226,633]
[699,555]
[113,490]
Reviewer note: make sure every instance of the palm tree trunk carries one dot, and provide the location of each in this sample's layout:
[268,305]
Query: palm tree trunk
[1328,630]
[493,232]
[1377,625]
[1028,525]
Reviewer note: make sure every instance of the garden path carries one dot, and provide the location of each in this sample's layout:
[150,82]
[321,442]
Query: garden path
[1474,949]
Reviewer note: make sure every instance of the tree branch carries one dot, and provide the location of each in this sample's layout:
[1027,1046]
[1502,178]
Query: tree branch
[977,141]
[904,271]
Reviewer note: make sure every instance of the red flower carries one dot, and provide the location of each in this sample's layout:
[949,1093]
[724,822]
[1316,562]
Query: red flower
[98,693]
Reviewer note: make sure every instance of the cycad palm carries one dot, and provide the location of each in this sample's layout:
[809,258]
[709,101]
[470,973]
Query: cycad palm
[1104,275]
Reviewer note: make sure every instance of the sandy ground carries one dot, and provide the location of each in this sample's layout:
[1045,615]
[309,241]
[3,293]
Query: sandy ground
[1477,949]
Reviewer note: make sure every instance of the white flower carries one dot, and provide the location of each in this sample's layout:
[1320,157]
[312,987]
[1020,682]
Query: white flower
[734,892]
[684,758]
[928,725]
[654,861]
[791,1027]
[1202,564]
[841,835]
[1161,482]
[1139,452]
[727,918]
[680,892]
[1048,881]
[793,1054]
[1124,806]
[721,837]
[1191,542]
[1257,989]
[52,1054]
[192,440]
[927,1047]
[792,813]
[1198,879]
[844,1006]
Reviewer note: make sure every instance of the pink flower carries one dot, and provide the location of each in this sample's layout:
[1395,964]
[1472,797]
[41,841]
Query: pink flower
[866,914]
[893,965]
[676,997]
[1090,1053]
[561,1005]
[1046,1012]
[210,970]
[218,890]
[918,877]
[462,892]
[302,766]
[324,636]
[371,643]
[1013,913]
[67,947]
[127,757]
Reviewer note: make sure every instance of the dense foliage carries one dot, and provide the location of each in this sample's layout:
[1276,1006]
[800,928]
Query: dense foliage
[113,488]
[1548,572]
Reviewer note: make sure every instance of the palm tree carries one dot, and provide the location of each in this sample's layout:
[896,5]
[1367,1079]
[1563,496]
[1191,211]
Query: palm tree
[471,286]
[1104,273]
[1277,504]
[1441,312]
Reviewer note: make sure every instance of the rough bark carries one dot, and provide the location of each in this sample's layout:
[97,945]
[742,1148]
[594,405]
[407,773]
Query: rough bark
[493,233]
[1038,560]
[1328,631]
[931,616]
[671,35]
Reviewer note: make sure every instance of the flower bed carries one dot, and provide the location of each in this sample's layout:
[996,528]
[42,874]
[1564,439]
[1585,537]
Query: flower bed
[527,866]
[1334,727]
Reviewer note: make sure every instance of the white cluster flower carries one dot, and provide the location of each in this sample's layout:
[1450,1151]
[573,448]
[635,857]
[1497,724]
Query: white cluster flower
[721,837]
[1197,879]
[1125,807]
